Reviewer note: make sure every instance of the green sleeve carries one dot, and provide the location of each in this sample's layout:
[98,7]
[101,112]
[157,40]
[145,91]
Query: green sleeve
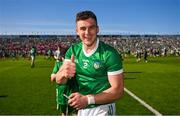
[56,67]
[69,53]
[114,61]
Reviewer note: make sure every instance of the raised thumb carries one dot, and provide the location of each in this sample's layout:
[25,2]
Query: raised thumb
[72,58]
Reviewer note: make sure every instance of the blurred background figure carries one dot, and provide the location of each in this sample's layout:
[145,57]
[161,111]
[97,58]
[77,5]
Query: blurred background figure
[33,55]
[57,55]
[145,55]
[138,55]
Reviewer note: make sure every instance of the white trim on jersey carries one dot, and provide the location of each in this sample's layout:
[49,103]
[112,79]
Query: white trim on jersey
[92,52]
[116,72]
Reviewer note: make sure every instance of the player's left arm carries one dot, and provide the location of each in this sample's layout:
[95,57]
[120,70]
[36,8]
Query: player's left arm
[114,92]
[115,78]
[109,95]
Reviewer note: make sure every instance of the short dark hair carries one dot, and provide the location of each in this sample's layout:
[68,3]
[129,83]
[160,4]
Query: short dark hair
[83,15]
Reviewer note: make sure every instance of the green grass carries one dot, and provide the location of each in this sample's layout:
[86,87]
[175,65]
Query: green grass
[156,82]
[24,90]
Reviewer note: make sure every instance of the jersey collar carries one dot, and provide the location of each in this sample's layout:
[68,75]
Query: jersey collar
[92,52]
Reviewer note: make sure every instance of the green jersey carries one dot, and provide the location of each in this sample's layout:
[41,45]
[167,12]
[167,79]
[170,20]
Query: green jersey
[92,69]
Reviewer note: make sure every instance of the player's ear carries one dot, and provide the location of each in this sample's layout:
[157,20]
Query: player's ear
[97,29]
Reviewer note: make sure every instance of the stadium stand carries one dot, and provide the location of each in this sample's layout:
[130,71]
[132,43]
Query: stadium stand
[155,45]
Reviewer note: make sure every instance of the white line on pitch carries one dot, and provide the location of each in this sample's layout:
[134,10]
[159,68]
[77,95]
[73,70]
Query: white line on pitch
[143,102]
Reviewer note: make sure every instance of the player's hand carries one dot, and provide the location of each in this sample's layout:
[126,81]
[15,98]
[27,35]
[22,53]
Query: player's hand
[78,101]
[68,69]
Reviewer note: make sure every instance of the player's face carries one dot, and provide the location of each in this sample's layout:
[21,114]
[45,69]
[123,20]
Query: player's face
[87,31]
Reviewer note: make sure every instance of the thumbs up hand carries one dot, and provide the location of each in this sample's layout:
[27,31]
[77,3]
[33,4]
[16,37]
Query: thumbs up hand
[67,70]
[70,67]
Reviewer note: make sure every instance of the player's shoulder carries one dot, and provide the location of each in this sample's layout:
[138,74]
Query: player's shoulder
[106,47]
[110,54]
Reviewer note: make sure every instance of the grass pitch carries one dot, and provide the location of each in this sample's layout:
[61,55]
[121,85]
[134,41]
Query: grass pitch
[28,91]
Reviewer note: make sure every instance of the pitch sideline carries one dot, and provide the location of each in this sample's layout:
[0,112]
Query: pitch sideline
[143,102]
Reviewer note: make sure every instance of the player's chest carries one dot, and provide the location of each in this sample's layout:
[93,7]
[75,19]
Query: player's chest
[92,65]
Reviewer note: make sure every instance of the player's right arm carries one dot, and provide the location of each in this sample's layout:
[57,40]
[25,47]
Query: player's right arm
[60,76]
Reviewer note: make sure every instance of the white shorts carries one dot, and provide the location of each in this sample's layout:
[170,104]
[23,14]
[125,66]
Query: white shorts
[102,110]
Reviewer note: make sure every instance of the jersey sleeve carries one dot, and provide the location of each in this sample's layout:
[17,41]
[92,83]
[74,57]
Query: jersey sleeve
[69,53]
[56,68]
[114,62]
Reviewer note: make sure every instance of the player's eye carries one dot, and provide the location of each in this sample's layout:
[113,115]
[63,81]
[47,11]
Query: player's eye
[83,28]
[93,27]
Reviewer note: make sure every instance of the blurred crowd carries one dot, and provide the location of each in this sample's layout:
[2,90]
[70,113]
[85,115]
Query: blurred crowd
[20,46]
[136,45]
[145,45]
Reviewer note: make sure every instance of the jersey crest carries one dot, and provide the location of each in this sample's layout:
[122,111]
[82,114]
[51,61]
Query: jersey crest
[97,64]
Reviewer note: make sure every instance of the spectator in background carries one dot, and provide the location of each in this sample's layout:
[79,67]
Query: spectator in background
[145,55]
[33,56]
[57,55]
